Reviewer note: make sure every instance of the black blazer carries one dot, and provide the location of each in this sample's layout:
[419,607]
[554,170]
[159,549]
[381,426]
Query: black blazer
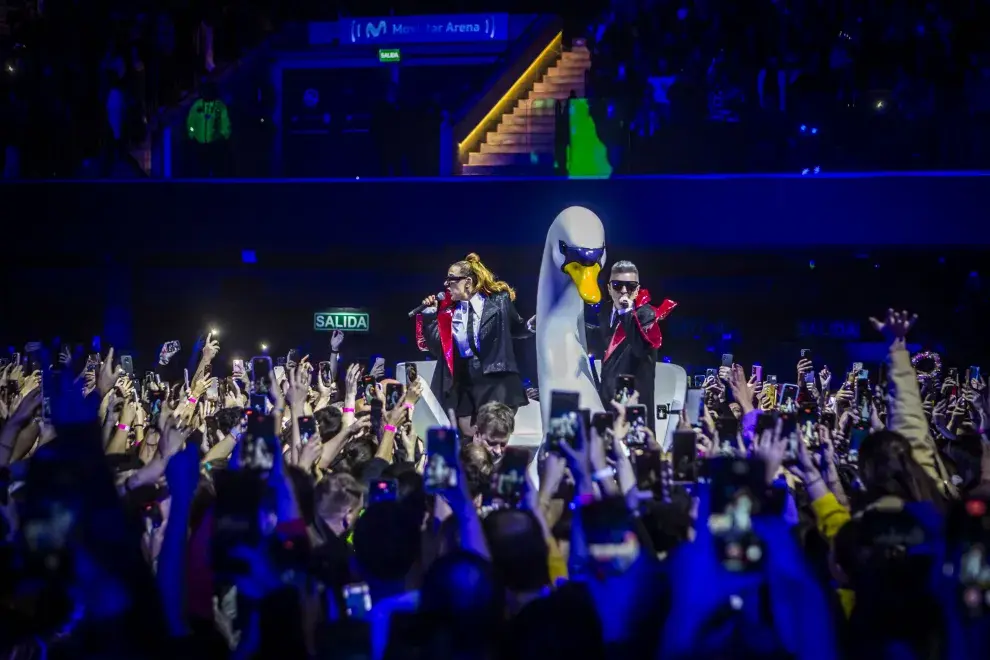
[500,323]
[634,356]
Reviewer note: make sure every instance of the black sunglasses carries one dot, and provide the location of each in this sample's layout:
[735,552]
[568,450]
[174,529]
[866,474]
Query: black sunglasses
[624,285]
[454,279]
[584,256]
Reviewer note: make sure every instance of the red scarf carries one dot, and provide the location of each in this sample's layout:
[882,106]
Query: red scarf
[652,334]
[445,318]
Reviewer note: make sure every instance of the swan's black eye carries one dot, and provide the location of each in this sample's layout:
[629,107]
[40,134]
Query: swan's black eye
[584,256]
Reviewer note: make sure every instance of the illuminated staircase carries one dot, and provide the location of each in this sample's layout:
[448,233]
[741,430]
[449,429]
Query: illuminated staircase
[523,141]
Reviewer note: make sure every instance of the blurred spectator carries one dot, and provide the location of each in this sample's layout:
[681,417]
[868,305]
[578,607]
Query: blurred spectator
[208,127]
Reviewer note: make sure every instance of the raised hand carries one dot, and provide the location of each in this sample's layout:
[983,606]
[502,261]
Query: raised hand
[771,446]
[210,348]
[378,369]
[298,378]
[803,367]
[108,374]
[825,376]
[742,390]
[895,326]
[351,383]
[336,339]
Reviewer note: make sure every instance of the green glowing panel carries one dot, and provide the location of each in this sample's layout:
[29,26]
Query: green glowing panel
[586,153]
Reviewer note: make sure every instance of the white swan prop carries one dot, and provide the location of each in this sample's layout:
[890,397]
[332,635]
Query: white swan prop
[566,285]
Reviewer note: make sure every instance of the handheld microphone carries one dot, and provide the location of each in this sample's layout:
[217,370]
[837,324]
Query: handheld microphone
[440,296]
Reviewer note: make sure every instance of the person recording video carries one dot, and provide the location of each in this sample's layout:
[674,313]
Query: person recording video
[469,329]
[628,335]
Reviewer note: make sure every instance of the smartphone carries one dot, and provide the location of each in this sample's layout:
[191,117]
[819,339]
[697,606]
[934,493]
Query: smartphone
[603,422]
[727,360]
[648,468]
[127,364]
[625,387]
[610,535]
[510,476]
[280,362]
[694,406]
[636,416]
[788,395]
[711,373]
[857,367]
[240,495]
[564,420]
[15,359]
[326,377]
[863,391]
[790,433]
[279,373]
[382,490]
[307,428]
[809,378]
[807,421]
[737,488]
[213,391]
[441,459]
[378,364]
[699,381]
[772,379]
[93,361]
[412,373]
[757,373]
[663,411]
[377,416]
[974,374]
[261,371]
[828,419]
[805,353]
[292,359]
[237,366]
[393,395]
[684,457]
[727,427]
[357,601]
[368,389]
[259,446]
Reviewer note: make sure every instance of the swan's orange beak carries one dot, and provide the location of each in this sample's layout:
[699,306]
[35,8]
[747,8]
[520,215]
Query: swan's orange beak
[586,280]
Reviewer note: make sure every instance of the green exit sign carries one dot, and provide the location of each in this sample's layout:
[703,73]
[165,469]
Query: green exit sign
[389,55]
[348,320]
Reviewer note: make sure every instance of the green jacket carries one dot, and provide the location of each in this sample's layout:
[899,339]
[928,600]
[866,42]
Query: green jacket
[208,121]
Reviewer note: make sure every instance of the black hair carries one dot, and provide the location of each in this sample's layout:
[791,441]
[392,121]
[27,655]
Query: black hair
[387,541]
[519,551]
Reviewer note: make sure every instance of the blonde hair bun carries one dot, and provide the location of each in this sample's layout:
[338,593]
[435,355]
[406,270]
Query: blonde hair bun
[473,258]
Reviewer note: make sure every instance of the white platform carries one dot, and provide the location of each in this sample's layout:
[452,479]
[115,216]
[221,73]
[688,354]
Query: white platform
[669,389]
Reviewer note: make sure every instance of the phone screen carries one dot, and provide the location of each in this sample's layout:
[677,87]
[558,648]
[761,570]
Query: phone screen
[357,600]
[368,389]
[609,533]
[602,422]
[127,364]
[279,373]
[381,490]
[736,491]
[648,467]
[510,476]
[377,418]
[393,395]
[788,396]
[412,373]
[974,374]
[261,371]
[564,420]
[790,432]
[699,381]
[694,406]
[236,521]
[636,416]
[807,421]
[237,366]
[684,456]
[326,378]
[441,459]
[307,429]
[758,373]
[625,386]
[259,446]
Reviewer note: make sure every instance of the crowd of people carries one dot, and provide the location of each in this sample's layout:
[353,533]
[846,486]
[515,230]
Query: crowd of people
[709,86]
[244,509]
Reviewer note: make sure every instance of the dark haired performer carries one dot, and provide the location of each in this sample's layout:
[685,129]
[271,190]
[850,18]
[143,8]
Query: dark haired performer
[629,335]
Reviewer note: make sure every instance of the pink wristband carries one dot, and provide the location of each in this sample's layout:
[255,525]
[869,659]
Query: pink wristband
[408,405]
[350,410]
[192,400]
[389,428]
[123,427]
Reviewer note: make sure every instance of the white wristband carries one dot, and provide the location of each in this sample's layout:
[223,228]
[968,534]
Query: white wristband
[603,474]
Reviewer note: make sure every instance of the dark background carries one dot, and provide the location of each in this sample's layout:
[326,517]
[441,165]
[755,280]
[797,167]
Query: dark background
[762,266]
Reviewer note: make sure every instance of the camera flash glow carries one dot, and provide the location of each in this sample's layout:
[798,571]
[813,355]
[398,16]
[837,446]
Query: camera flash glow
[880,105]
[264,347]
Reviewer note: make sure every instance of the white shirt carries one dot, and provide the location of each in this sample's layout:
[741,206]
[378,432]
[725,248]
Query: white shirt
[459,324]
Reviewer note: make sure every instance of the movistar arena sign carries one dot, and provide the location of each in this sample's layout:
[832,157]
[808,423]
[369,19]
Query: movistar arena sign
[427,29]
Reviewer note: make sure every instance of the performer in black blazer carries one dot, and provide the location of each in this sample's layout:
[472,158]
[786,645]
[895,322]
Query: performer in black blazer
[470,332]
[627,336]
